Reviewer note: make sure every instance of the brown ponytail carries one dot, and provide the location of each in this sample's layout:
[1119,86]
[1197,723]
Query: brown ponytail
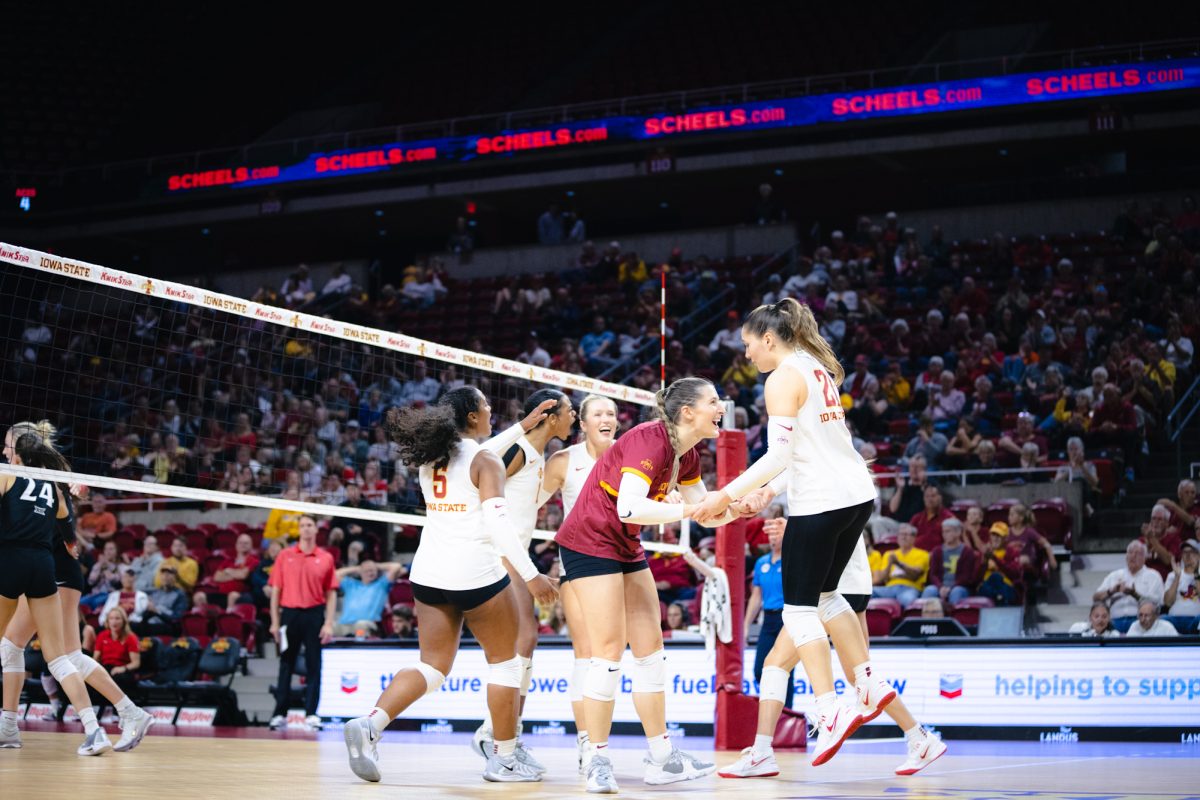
[794,324]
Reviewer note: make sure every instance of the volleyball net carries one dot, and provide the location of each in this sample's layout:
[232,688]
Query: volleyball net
[171,396]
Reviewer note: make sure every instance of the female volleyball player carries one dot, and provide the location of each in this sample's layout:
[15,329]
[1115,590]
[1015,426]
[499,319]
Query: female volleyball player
[603,559]
[28,510]
[525,467]
[457,576]
[758,761]
[567,471]
[69,577]
[830,497]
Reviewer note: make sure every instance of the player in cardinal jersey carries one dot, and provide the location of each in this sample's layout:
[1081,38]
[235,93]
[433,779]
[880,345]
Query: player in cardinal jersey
[830,498]
[457,575]
[523,453]
[604,561]
[568,471]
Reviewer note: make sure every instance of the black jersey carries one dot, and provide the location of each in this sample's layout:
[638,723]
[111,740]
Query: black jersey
[64,529]
[28,514]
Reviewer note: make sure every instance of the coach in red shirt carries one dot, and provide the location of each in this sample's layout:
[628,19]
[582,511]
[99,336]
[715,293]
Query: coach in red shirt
[928,521]
[303,607]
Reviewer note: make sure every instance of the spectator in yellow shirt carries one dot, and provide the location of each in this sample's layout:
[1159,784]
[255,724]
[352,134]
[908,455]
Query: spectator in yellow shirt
[904,569]
[185,566]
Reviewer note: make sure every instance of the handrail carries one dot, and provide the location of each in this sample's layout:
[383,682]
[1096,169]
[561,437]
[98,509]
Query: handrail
[691,98]
[1175,429]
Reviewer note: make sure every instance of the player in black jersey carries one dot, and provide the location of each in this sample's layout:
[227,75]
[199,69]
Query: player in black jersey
[69,577]
[28,510]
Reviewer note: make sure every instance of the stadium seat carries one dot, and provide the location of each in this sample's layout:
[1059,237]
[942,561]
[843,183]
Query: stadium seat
[220,659]
[125,541]
[1053,519]
[401,593]
[196,625]
[967,612]
[913,609]
[879,621]
[224,540]
[998,511]
[959,508]
[196,540]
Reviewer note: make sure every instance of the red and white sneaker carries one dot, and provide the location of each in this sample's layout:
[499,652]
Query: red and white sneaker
[751,766]
[833,730]
[921,753]
[873,698]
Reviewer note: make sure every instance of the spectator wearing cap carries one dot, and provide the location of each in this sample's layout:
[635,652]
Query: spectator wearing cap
[928,442]
[953,565]
[1010,444]
[1162,541]
[904,569]
[1184,509]
[1002,570]
[1123,589]
[1148,622]
[187,569]
[1182,598]
[928,521]
[165,605]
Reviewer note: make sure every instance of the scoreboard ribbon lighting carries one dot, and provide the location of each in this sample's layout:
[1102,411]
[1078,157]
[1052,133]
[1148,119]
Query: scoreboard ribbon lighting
[926,98]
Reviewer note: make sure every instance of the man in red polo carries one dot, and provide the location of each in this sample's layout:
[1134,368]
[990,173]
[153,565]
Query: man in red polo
[303,609]
[928,521]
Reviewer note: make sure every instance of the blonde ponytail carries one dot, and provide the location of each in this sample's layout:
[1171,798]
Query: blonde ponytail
[671,400]
[794,324]
[44,430]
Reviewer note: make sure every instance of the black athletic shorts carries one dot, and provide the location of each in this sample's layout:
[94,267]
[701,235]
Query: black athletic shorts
[67,572]
[858,602]
[579,565]
[462,599]
[27,571]
[816,549]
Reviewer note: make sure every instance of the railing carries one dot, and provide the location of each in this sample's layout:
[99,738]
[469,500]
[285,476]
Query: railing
[961,476]
[640,104]
[1180,416]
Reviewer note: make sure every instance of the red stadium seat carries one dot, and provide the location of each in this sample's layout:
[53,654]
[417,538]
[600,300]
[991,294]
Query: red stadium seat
[967,612]
[224,539]
[1053,519]
[211,565]
[247,611]
[402,592]
[887,604]
[207,528]
[165,537]
[914,608]
[879,621]
[196,539]
[959,508]
[998,511]
[196,625]
[124,541]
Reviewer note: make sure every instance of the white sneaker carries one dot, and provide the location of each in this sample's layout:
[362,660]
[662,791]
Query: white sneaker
[509,769]
[873,698]
[482,741]
[278,721]
[313,723]
[600,778]
[679,766]
[95,744]
[361,740]
[922,753]
[751,766]
[133,727]
[10,739]
[526,757]
[832,731]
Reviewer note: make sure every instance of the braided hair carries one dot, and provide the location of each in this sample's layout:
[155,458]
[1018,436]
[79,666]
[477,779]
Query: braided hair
[671,400]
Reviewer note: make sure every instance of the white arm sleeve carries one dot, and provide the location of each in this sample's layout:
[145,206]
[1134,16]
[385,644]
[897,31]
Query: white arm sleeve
[634,504]
[500,443]
[779,484]
[781,434]
[504,537]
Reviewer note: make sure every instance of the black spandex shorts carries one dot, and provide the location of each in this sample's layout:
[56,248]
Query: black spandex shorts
[27,571]
[858,602]
[816,549]
[67,572]
[462,599]
[579,565]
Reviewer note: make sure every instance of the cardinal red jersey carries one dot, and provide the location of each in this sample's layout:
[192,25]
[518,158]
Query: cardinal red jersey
[592,527]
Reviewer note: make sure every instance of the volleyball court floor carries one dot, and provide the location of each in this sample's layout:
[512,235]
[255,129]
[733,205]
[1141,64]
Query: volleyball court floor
[259,764]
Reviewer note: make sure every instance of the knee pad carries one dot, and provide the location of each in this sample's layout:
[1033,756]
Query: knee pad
[803,624]
[12,658]
[773,685]
[433,678]
[526,674]
[578,678]
[62,668]
[506,673]
[650,673]
[603,676]
[831,605]
[84,664]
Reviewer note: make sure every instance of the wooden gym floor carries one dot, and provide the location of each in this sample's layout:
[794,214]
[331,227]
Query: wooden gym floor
[257,764]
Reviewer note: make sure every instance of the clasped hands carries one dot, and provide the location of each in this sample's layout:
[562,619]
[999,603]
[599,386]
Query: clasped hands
[716,503]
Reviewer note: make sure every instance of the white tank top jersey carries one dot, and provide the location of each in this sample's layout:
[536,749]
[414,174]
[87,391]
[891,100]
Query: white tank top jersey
[579,467]
[521,490]
[456,551]
[856,578]
[827,473]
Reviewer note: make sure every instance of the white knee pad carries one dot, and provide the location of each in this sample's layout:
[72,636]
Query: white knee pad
[578,678]
[526,674]
[12,658]
[773,685]
[831,605]
[62,668]
[603,676]
[650,673]
[506,673]
[84,664]
[803,624]
[433,678]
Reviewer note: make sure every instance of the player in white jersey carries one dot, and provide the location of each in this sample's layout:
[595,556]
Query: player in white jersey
[525,469]
[566,471]
[830,498]
[457,575]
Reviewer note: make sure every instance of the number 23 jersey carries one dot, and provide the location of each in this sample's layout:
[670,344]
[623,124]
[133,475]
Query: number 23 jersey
[827,473]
